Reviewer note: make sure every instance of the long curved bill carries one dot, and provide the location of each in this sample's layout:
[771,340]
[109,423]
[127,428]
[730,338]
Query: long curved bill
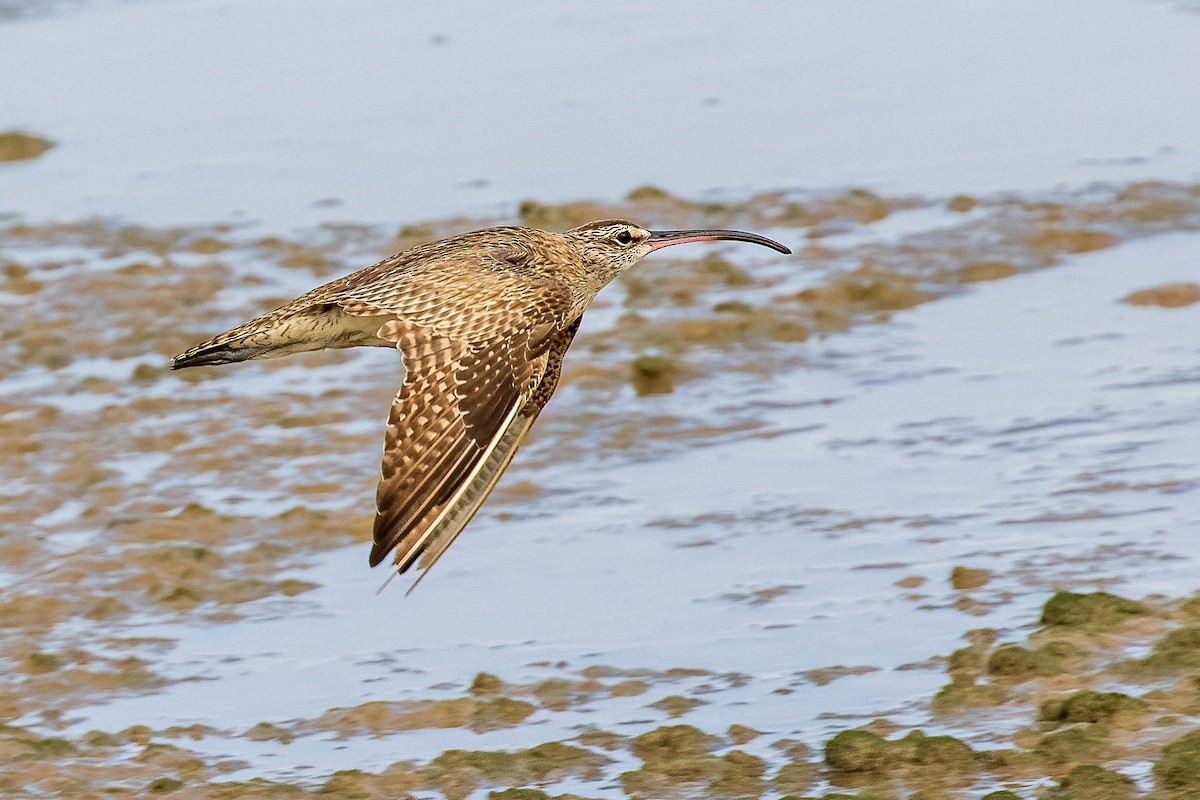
[659,239]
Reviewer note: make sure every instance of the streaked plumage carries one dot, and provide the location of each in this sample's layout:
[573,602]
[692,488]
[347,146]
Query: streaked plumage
[482,321]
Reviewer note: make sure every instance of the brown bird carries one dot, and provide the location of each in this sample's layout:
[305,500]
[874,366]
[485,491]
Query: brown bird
[482,321]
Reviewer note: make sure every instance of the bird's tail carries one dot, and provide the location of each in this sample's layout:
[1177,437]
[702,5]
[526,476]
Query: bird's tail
[268,335]
[221,349]
[294,328]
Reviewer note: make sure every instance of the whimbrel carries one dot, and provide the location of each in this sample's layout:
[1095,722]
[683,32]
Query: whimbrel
[482,321]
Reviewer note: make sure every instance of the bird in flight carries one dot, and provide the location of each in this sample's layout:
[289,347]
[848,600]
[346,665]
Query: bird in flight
[482,321]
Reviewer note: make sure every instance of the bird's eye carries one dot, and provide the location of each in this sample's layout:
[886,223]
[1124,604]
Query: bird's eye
[624,237]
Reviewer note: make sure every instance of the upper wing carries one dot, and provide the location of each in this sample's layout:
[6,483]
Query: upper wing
[475,491]
[456,420]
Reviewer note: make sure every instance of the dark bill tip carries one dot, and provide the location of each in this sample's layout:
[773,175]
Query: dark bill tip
[666,238]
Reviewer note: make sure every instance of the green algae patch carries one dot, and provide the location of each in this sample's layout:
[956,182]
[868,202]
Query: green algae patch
[794,776]
[164,785]
[1013,662]
[1002,794]
[394,783]
[1095,610]
[458,773]
[738,774]
[1077,745]
[49,747]
[652,375]
[943,752]
[936,762]
[1178,769]
[856,751]
[1178,650]
[955,696]
[670,744]
[675,757]
[558,759]
[1090,706]
[1090,782]
[916,760]
[966,661]
[21,146]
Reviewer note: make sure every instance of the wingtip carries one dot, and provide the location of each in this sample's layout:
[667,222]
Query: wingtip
[391,577]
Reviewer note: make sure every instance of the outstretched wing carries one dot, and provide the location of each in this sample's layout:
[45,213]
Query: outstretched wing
[443,534]
[457,419]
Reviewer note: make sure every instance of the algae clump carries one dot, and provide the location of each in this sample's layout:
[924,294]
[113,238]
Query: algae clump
[673,755]
[739,774]
[164,785]
[856,751]
[1071,746]
[1012,661]
[1092,610]
[957,695]
[673,748]
[1089,706]
[1089,782]
[944,752]
[1179,766]
[458,773]
[652,375]
[1179,649]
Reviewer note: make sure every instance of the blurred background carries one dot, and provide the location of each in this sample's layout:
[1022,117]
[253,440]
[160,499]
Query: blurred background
[910,513]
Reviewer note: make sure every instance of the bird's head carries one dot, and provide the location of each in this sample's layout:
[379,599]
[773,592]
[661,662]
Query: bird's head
[614,245]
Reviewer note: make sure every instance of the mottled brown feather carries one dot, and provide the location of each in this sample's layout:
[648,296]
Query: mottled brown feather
[459,398]
[443,534]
